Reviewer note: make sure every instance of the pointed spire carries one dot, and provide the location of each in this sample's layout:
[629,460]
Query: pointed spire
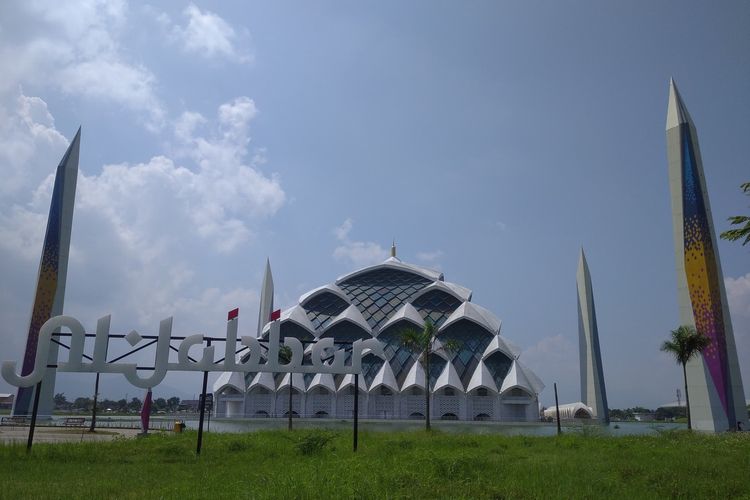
[593,392]
[266,298]
[583,267]
[677,113]
[49,297]
[393,248]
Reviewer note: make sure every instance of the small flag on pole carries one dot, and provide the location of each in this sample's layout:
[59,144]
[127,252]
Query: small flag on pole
[275,315]
[233,314]
[146,412]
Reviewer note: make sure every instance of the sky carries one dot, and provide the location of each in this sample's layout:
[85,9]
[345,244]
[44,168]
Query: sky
[491,140]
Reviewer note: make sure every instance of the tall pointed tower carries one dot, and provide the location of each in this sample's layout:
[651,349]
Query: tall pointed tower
[717,399]
[50,286]
[266,298]
[593,393]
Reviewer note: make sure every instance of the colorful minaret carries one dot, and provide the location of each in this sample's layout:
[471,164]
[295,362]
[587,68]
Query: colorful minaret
[266,298]
[593,393]
[50,287]
[717,399]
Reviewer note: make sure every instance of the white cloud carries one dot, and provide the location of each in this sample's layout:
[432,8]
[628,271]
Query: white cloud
[359,253]
[27,139]
[75,48]
[342,232]
[555,359]
[738,296]
[430,257]
[143,232]
[206,34]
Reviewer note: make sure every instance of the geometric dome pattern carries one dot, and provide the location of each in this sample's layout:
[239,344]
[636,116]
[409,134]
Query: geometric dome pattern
[482,380]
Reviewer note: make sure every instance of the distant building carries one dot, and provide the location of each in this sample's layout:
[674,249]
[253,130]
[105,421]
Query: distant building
[644,416]
[190,405]
[6,401]
[570,411]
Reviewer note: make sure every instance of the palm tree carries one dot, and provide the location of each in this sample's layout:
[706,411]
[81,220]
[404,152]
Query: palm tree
[285,355]
[743,231]
[686,342]
[422,343]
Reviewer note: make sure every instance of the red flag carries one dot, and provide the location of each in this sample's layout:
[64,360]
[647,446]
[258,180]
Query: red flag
[275,315]
[146,412]
[233,314]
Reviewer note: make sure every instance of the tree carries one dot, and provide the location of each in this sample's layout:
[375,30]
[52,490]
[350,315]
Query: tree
[739,220]
[423,344]
[61,402]
[685,344]
[173,403]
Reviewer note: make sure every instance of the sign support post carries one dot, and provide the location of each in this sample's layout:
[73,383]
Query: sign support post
[356,409]
[34,411]
[202,410]
[557,411]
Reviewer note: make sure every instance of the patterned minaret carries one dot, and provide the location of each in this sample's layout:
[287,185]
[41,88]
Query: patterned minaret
[266,298]
[717,399]
[593,393]
[50,287]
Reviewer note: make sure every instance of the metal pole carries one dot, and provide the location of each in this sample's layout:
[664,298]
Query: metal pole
[202,410]
[291,375]
[356,409]
[557,410]
[93,411]
[34,410]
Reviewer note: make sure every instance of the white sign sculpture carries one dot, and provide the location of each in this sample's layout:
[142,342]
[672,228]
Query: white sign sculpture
[254,363]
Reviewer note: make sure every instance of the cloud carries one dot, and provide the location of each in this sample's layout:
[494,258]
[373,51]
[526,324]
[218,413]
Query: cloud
[144,234]
[342,232]
[28,137]
[430,257]
[205,34]
[555,359]
[359,253]
[76,48]
[738,296]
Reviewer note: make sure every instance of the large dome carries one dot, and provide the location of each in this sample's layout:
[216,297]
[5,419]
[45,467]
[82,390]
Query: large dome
[482,380]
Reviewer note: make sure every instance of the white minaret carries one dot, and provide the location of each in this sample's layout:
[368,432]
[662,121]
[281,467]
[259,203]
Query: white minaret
[593,392]
[717,398]
[266,298]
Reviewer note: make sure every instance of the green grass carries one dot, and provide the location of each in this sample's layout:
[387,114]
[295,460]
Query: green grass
[320,464]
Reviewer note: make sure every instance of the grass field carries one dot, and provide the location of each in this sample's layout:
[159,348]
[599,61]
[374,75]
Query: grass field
[319,464]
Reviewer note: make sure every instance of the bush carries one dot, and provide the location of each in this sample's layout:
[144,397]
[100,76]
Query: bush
[314,442]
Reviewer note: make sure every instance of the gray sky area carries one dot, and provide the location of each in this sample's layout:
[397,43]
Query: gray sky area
[491,139]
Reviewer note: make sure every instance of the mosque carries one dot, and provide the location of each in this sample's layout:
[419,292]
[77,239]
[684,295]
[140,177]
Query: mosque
[481,379]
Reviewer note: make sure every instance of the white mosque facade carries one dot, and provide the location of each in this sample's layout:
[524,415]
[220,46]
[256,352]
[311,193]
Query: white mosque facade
[483,379]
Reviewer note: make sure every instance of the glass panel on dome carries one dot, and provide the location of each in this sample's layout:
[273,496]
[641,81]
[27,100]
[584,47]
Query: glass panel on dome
[380,292]
[436,305]
[437,364]
[322,308]
[371,365]
[472,341]
[498,365]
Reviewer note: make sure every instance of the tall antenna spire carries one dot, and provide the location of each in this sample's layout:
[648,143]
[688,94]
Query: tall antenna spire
[393,248]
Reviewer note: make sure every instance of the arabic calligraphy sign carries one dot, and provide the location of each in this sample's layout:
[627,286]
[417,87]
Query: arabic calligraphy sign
[320,361]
